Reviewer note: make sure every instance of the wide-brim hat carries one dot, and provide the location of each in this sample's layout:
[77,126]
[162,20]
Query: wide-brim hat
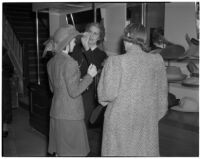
[175,74]
[192,68]
[60,39]
[191,82]
[187,104]
[172,52]
[63,36]
[193,49]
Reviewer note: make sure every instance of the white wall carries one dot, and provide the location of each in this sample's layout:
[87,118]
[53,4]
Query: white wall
[179,20]
[114,21]
[55,21]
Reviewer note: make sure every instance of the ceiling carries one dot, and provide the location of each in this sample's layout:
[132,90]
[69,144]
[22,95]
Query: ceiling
[69,7]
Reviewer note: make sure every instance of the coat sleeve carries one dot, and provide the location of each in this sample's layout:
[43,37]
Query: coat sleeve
[50,83]
[162,87]
[74,85]
[109,81]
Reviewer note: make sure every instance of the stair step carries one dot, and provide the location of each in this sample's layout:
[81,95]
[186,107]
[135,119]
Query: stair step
[43,74]
[34,65]
[33,50]
[33,53]
[34,75]
[26,17]
[32,38]
[35,72]
[23,23]
[43,34]
[13,17]
[30,29]
[26,14]
[32,46]
[18,6]
[34,60]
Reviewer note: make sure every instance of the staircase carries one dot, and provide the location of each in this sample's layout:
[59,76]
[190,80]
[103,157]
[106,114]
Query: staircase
[23,22]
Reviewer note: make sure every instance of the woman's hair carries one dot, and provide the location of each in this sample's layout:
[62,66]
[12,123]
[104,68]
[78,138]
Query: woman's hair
[101,28]
[136,34]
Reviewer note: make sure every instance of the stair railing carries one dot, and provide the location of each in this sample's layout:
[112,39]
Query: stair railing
[14,50]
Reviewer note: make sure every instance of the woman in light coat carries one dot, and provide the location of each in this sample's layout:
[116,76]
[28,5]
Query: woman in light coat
[67,135]
[133,86]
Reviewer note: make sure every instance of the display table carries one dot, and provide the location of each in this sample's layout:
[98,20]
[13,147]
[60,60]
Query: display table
[179,134]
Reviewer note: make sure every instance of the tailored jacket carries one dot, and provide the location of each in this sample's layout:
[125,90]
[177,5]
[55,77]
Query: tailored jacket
[133,86]
[64,81]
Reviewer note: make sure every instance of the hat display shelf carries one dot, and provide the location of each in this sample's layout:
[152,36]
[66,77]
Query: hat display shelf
[177,53]
[175,74]
[182,85]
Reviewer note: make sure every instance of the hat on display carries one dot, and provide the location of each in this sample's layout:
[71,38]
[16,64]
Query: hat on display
[193,50]
[172,51]
[60,39]
[187,104]
[191,82]
[174,74]
[193,68]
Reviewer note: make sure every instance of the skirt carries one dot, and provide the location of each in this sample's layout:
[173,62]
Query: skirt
[68,137]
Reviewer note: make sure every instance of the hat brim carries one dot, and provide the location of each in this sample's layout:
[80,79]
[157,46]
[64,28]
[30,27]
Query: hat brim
[187,54]
[172,52]
[62,44]
[186,107]
[191,82]
[176,78]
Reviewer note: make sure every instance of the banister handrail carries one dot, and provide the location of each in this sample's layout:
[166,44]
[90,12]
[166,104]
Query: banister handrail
[12,44]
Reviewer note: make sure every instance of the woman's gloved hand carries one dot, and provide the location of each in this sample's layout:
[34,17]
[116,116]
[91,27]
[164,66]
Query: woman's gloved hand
[92,70]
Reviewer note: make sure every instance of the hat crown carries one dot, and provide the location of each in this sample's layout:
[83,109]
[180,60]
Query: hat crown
[63,33]
[174,74]
[173,70]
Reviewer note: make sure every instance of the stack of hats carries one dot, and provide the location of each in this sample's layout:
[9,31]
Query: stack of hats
[193,49]
[172,51]
[187,104]
[174,74]
[175,51]
[193,80]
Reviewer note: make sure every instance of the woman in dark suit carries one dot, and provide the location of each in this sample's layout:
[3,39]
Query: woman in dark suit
[88,52]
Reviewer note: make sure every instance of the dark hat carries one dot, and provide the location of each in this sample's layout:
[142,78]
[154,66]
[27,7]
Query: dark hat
[174,74]
[172,52]
[191,82]
[193,49]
